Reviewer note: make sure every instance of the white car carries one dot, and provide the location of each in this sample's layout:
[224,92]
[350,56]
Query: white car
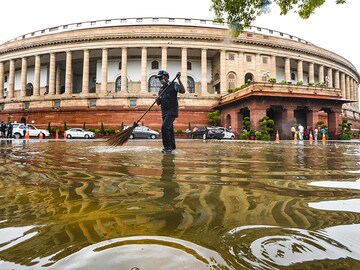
[79,133]
[18,131]
[228,134]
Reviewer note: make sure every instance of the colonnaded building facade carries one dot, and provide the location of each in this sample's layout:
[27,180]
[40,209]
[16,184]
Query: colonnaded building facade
[104,72]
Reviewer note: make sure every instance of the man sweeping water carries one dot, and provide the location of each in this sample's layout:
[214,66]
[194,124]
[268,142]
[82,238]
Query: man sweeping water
[169,108]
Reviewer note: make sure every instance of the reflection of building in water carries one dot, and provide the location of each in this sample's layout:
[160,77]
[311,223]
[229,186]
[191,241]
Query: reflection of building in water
[80,213]
[170,197]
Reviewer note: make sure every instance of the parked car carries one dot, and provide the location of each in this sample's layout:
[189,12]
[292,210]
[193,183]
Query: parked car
[33,131]
[79,133]
[228,134]
[206,132]
[143,132]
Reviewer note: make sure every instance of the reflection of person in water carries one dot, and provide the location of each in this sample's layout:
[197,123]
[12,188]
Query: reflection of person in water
[170,192]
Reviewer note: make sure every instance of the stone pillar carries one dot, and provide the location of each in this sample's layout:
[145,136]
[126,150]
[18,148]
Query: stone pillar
[258,75]
[184,67]
[321,73]
[311,73]
[164,58]
[104,71]
[68,73]
[255,116]
[223,82]
[312,118]
[347,87]
[52,73]
[85,77]
[11,83]
[241,77]
[124,70]
[204,72]
[330,78]
[2,80]
[343,86]
[57,81]
[288,120]
[300,71]
[273,67]
[287,70]
[23,76]
[143,70]
[337,79]
[335,118]
[37,75]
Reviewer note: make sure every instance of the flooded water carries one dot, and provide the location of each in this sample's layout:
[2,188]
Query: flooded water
[210,205]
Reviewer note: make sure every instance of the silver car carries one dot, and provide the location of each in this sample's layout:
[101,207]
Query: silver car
[143,132]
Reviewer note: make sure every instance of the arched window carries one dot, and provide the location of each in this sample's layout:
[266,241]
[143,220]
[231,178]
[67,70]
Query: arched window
[292,76]
[154,84]
[231,78]
[228,121]
[189,65]
[118,84]
[154,64]
[216,77]
[249,77]
[190,84]
[29,89]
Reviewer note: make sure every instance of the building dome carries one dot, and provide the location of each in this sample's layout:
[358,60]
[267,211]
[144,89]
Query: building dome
[104,72]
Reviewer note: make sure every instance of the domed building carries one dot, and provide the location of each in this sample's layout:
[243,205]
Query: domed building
[104,72]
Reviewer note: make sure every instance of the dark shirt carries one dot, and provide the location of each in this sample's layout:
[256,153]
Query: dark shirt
[169,101]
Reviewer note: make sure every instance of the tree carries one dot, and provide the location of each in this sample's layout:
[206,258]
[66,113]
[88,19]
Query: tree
[345,133]
[240,14]
[214,117]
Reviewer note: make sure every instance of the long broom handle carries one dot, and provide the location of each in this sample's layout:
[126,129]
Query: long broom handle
[159,96]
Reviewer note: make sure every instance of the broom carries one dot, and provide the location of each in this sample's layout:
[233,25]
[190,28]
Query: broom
[122,137]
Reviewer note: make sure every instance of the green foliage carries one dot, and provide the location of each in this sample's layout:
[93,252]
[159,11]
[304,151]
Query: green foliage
[189,126]
[65,126]
[246,123]
[95,130]
[266,126]
[283,82]
[179,131]
[321,84]
[300,83]
[240,14]
[345,133]
[272,80]
[214,117]
[244,136]
[102,128]
[84,126]
[110,131]
[232,90]
[49,127]
[122,126]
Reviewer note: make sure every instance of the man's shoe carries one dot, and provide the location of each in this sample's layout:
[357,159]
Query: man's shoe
[166,150]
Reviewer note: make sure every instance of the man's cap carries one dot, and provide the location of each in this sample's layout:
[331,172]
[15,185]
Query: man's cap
[162,73]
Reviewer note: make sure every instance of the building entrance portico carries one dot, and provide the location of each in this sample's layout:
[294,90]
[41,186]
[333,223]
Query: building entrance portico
[285,111]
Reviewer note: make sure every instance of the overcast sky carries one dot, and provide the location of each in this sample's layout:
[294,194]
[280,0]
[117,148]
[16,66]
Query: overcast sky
[333,27]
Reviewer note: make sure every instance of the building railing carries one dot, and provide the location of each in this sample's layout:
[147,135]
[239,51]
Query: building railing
[152,21]
[282,88]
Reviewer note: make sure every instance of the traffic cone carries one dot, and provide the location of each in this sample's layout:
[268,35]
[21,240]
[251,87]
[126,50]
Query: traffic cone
[64,135]
[323,138]
[277,136]
[56,135]
[27,136]
[295,137]
[311,137]
[41,135]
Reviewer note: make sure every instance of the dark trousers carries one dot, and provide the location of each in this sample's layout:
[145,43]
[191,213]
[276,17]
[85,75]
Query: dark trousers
[167,132]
